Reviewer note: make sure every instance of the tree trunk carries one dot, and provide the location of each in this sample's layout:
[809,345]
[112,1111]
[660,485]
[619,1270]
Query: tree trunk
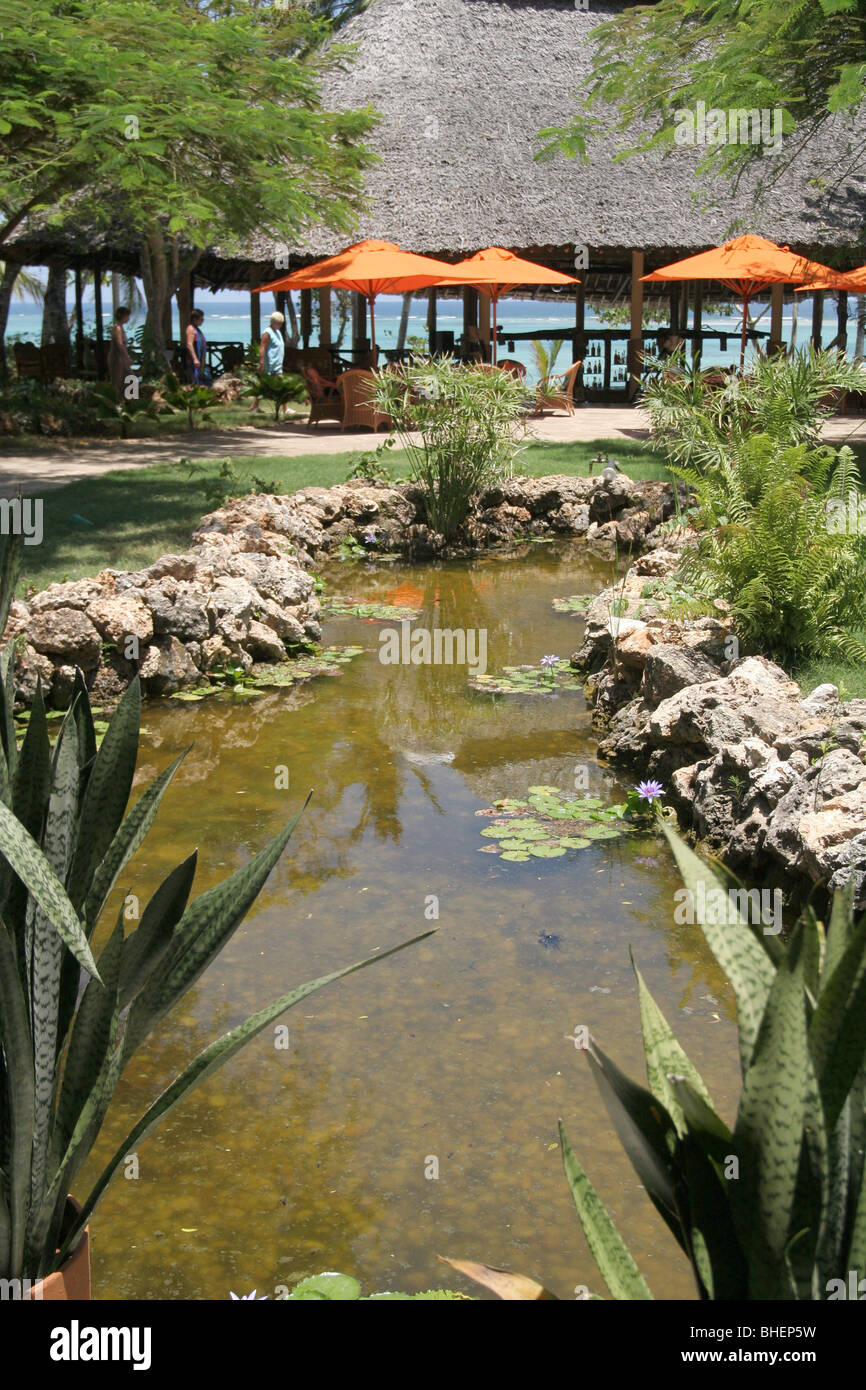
[404,322]
[164,267]
[7,285]
[293,330]
[55,324]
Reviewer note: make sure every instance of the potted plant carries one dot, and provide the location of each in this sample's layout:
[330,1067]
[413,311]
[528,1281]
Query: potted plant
[73,1012]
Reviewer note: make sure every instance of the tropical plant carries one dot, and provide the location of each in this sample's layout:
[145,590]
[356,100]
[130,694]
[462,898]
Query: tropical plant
[768,545]
[702,425]
[193,398]
[545,358]
[775,1207]
[279,390]
[73,1015]
[467,420]
[109,406]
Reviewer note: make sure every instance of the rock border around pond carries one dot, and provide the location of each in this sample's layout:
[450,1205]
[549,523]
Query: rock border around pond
[773,782]
[244,593]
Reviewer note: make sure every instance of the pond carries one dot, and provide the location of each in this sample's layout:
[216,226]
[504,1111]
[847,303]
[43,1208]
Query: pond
[455,1055]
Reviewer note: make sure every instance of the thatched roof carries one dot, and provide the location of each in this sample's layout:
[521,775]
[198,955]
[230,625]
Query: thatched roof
[464,86]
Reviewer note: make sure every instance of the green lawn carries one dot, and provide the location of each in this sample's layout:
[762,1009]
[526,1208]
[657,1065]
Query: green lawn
[135,515]
[850,679]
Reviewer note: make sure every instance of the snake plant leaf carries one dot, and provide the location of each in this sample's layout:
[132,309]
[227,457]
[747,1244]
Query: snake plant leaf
[107,794]
[205,927]
[8,742]
[701,1119]
[204,1065]
[738,952]
[144,948]
[646,1131]
[856,1252]
[19,1099]
[81,713]
[11,554]
[511,1288]
[769,1130]
[5,1222]
[839,930]
[610,1252]
[837,1032]
[91,1033]
[664,1055]
[30,791]
[129,837]
[715,1251]
[31,866]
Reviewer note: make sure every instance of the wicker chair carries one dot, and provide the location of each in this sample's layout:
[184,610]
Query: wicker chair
[28,360]
[355,388]
[326,402]
[557,392]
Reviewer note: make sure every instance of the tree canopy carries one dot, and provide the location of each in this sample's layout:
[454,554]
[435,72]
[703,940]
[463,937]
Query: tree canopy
[807,57]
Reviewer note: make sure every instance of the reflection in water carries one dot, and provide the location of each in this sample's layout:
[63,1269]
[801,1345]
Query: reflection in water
[290,1162]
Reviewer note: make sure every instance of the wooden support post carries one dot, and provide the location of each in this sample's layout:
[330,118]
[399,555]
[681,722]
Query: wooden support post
[431,318]
[79,322]
[484,320]
[579,323]
[634,353]
[359,326]
[255,309]
[324,318]
[842,322]
[817,317]
[306,317]
[698,322]
[97,306]
[675,309]
[776,304]
[185,297]
[470,309]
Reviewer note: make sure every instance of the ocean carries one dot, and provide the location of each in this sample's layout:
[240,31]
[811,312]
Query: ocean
[227,319]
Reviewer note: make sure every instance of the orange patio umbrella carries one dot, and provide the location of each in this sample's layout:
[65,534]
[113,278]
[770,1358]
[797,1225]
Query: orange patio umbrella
[371,268]
[839,280]
[748,265]
[496,270]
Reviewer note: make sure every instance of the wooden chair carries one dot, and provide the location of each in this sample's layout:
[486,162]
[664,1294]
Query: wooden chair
[356,388]
[55,361]
[28,360]
[326,402]
[557,392]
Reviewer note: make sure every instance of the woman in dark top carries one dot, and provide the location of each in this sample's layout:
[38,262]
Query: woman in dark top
[196,348]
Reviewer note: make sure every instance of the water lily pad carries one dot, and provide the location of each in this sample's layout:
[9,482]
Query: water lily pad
[528,680]
[544,790]
[574,842]
[546,851]
[369,610]
[601,832]
[514,856]
[551,822]
[573,603]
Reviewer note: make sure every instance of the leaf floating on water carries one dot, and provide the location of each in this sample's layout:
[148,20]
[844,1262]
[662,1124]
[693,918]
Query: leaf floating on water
[529,680]
[514,856]
[550,823]
[369,610]
[574,603]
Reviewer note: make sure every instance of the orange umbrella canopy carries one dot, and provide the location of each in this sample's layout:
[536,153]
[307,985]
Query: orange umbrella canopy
[747,265]
[496,270]
[839,280]
[371,268]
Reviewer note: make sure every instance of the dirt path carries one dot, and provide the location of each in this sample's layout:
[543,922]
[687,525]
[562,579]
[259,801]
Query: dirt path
[40,471]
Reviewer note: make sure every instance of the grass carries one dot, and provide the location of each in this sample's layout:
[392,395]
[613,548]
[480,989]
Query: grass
[850,679]
[127,518]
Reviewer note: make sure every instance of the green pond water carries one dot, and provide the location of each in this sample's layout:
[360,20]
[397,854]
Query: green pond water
[460,1049]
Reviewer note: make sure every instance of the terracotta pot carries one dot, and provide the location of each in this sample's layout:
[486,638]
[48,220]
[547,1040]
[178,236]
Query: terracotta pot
[72,1280]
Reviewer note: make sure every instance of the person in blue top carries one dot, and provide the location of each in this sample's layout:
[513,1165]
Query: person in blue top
[196,348]
[272,350]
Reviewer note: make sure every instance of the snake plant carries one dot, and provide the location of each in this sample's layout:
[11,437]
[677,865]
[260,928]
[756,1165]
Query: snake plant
[72,1013]
[773,1207]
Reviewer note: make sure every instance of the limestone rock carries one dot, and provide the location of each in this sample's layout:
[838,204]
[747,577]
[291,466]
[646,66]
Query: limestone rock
[120,616]
[671,668]
[67,634]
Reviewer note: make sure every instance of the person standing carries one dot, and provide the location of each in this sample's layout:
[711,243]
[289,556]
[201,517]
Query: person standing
[196,348]
[272,350]
[119,360]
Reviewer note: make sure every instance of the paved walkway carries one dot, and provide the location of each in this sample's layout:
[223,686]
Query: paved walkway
[40,471]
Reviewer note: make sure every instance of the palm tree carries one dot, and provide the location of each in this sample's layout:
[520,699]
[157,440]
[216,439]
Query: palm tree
[15,283]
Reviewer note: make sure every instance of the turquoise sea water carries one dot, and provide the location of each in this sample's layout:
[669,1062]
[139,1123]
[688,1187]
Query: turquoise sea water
[227,319]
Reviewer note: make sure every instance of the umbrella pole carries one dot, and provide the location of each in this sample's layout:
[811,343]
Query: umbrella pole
[495,301]
[743,337]
[373,328]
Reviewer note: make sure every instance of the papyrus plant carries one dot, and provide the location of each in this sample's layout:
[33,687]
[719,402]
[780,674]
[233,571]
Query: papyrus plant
[71,1016]
[773,1207]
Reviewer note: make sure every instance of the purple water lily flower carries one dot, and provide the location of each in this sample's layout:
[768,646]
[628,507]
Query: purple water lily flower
[548,662]
[369,537]
[242,1298]
[648,791]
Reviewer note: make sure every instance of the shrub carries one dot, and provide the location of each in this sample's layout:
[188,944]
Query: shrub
[767,544]
[467,421]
